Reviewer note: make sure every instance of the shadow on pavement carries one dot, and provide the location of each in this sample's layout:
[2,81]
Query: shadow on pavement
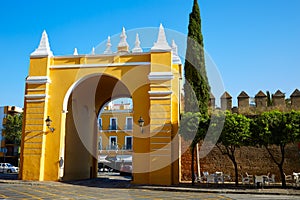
[104,180]
[8,176]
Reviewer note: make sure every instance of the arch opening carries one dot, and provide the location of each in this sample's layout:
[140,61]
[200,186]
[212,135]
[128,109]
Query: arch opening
[81,130]
[115,137]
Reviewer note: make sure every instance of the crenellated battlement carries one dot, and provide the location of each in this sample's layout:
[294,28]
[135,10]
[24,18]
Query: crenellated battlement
[259,103]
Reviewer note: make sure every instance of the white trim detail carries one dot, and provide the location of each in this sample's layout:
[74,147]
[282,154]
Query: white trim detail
[108,46]
[137,48]
[175,57]
[161,44]
[36,96]
[35,101]
[99,65]
[160,98]
[110,140]
[110,124]
[160,76]
[38,80]
[126,141]
[159,93]
[43,48]
[36,90]
[126,125]
[123,37]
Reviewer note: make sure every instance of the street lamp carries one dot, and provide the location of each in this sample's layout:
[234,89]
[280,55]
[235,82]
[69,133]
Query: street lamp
[48,124]
[141,123]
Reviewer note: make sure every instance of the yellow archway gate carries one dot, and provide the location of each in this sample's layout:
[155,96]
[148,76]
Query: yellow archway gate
[72,89]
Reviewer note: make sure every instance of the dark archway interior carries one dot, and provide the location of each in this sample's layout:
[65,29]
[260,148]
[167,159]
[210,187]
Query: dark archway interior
[84,105]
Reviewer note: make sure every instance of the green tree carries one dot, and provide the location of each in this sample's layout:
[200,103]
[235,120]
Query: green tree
[235,133]
[13,128]
[193,128]
[275,128]
[269,99]
[196,87]
[196,83]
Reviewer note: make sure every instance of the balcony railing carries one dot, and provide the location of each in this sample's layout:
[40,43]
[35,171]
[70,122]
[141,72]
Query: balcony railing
[116,147]
[116,128]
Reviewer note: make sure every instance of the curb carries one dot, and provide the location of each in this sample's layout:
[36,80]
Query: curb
[222,191]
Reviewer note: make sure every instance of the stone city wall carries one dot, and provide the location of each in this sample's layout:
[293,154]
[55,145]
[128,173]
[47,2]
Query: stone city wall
[252,160]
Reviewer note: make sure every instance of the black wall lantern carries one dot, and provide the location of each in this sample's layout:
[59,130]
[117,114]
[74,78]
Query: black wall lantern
[48,124]
[141,123]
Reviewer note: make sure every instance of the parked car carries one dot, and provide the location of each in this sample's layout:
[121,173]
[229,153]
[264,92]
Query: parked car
[8,168]
[126,170]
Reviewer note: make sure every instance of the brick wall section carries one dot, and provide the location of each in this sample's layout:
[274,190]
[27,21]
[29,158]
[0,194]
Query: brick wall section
[250,159]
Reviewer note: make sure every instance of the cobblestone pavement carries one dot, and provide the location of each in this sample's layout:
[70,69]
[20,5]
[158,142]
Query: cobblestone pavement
[111,186]
[64,191]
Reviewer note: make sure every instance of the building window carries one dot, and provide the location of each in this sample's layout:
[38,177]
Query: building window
[100,143]
[113,143]
[128,142]
[100,124]
[113,123]
[128,123]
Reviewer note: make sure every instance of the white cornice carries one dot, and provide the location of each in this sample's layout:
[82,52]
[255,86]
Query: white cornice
[160,98]
[159,93]
[36,96]
[38,80]
[99,65]
[160,76]
[35,101]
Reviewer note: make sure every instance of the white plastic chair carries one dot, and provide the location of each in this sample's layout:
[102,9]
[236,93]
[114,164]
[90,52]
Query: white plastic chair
[245,179]
[210,178]
[296,178]
[259,180]
[271,179]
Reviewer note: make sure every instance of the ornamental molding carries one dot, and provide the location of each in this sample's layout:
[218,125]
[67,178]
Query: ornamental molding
[159,93]
[36,96]
[38,80]
[160,76]
[99,65]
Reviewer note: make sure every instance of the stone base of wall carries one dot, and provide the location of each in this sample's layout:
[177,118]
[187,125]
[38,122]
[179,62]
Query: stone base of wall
[253,160]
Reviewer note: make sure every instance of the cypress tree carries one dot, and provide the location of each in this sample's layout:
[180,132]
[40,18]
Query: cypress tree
[196,87]
[196,83]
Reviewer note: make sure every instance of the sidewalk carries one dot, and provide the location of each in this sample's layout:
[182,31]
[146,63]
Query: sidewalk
[222,189]
[270,191]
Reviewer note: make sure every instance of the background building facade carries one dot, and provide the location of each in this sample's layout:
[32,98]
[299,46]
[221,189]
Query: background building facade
[9,151]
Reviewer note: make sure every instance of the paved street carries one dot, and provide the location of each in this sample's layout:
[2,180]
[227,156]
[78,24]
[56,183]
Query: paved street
[69,191]
[110,186]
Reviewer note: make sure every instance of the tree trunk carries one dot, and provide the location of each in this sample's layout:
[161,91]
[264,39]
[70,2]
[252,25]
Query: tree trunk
[192,165]
[283,183]
[235,171]
[279,164]
[198,161]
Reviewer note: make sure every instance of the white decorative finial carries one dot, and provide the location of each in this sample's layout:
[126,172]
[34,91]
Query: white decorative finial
[137,48]
[123,37]
[123,45]
[108,46]
[93,51]
[75,52]
[176,58]
[43,48]
[161,44]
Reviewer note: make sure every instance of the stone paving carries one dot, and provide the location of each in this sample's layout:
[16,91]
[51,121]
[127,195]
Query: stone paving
[111,186]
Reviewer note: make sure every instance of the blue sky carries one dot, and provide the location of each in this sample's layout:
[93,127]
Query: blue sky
[254,43]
